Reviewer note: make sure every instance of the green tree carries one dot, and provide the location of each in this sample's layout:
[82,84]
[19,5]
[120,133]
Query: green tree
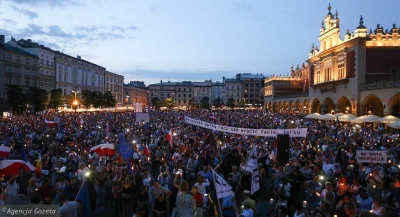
[16,99]
[242,103]
[56,98]
[37,98]
[205,103]
[87,98]
[108,99]
[217,102]
[231,103]
[156,102]
[169,103]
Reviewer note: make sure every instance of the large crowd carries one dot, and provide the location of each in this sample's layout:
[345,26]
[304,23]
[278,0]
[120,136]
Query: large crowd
[151,176]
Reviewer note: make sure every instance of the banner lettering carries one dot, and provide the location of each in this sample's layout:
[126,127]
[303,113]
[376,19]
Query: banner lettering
[297,132]
[379,157]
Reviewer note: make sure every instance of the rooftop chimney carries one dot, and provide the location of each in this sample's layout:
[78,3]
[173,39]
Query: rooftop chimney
[79,57]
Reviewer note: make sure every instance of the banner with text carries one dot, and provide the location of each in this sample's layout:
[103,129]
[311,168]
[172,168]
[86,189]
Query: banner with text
[379,157]
[297,132]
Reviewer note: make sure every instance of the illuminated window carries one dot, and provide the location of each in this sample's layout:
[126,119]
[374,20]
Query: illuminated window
[318,77]
[341,71]
[328,74]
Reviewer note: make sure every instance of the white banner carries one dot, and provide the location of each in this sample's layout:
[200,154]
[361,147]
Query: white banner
[297,132]
[379,157]
[252,166]
[222,188]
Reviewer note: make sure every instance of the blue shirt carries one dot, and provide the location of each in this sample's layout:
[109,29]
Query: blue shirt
[248,213]
[364,203]
[207,175]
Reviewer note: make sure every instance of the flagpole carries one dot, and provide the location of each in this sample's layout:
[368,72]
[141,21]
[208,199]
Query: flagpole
[219,205]
[80,189]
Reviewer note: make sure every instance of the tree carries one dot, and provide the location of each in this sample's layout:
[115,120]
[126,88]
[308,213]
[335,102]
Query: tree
[231,103]
[56,98]
[16,99]
[205,102]
[37,98]
[108,99]
[242,103]
[217,102]
[87,98]
[156,102]
[169,103]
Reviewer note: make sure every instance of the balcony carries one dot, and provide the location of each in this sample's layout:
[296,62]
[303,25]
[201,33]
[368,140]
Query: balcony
[380,85]
[296,95]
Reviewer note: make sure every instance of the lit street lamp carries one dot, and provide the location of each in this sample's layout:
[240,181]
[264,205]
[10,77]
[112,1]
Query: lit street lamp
[75,103]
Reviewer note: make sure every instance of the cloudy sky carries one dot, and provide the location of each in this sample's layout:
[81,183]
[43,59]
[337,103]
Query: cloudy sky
[186,39]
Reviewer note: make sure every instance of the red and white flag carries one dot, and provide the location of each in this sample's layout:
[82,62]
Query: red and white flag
[212,117]
[182,117]
[146,151]
[4,151]
[50,123]
[168,137]
[80,120]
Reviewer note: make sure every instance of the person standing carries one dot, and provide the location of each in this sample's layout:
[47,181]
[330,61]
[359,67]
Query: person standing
[68,208]
[185,203]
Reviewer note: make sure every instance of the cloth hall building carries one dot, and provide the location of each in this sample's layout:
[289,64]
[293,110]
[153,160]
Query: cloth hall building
[358,74]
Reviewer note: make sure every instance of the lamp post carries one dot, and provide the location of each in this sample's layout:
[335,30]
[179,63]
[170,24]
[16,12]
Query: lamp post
[127,97]
[75,103]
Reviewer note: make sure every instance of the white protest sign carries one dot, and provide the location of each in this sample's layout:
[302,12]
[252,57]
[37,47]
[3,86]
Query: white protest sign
[371,156]
[222,188]
[296,132]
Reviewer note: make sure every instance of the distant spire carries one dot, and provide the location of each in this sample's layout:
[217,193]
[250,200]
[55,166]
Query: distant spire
[312,46]
[361,26]
[394,26]
[329,9]
[297,66]
[370,31]
[337,15]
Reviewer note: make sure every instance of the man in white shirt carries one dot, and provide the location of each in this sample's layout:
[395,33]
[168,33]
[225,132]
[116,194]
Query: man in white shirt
[328,168]
[11,188]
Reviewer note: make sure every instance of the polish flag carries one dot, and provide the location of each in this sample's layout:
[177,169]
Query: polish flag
[212,117]
[146,151]
[50,123]
[80,120]
[4,151]
[182,117]
[168,137]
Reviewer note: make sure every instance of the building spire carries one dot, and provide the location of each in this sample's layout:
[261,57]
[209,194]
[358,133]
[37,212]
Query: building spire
[361,26]
[337,14]
[329,9]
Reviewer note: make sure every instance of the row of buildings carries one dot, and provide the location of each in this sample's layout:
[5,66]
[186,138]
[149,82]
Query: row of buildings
[245,87]
[28,64]
[358,73]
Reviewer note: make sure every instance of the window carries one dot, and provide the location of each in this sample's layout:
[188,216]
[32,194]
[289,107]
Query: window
[9,69]
[190,89]
[190,95]
[27,83]
[184,89]
[47,84]
[17,70]
[28,61]
[328,74]
[184,95]
[47,62]
[318,79]
[179,95]
[65,77]
[394,74]
[184,101]
[65,92]
[8,79]
[9,57]
[341,71]
[42,61]
[74,78]
[26,71]
[179,89]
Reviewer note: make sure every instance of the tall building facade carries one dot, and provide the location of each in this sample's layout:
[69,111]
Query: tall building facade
[233,89]
[359,74]
[184,94]
[201,90]
[47,78]
[218,91]
[115,84]
[21,67]
[251,88]
[76,74]
[137,97]
[162,90]
[2,68]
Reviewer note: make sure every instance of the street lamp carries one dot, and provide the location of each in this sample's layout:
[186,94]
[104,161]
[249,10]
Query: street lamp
[127,97]
[75,103]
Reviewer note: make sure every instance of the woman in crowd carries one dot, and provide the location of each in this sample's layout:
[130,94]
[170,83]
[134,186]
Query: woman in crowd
[185,203]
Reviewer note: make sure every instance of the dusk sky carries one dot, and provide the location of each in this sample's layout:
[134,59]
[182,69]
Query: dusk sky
[186,39]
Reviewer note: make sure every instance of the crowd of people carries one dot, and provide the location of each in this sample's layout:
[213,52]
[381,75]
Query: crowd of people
[150,175]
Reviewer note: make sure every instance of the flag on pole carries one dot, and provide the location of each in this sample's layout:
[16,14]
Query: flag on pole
[168,137]
[252,167]
[39,165]
[222,188]
[182,117]
[50,123]
[212,117]
[84,199]
[80,121]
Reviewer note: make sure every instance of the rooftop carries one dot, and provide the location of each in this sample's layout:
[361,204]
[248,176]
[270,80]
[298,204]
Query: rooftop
[17,50]
[79,59]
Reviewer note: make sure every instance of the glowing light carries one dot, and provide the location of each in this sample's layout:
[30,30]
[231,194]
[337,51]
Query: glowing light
[87,174]
[321,177]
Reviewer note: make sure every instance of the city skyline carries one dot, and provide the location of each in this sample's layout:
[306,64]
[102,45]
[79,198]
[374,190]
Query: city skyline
[153,41]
